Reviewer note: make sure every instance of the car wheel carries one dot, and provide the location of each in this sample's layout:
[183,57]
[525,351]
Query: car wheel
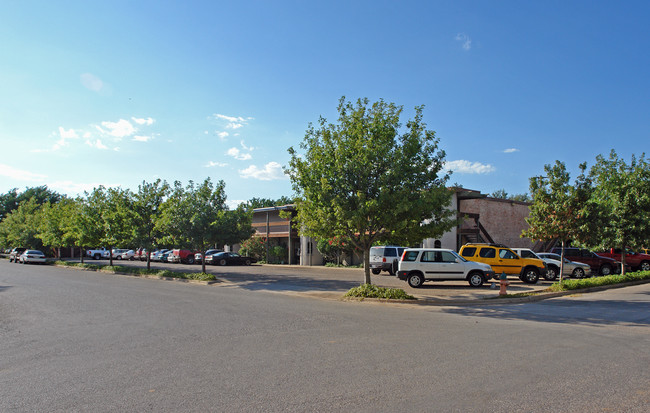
[119,257]
[606,269]
[376,271]
[247,262]
[416,280]
[190,260]
[578,273]
[645,266]
[551,274]
[475,279]
[222,262]
[531,275]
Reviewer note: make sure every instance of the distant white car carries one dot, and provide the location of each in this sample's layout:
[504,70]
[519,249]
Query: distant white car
[436,264]
[117,253]
[571,268]
[128,255]
[32,257]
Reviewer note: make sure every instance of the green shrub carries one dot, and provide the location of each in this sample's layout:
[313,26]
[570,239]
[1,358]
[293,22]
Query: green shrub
[577,284]
[372,291]
[121,269]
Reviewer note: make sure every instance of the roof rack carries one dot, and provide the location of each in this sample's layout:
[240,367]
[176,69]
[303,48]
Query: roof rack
[491,244]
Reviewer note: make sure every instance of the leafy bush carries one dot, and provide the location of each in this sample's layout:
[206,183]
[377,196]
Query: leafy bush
[254,247]
[331,264]
[372,291]
[598,281]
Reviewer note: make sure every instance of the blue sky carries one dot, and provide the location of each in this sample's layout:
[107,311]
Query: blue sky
[116,92]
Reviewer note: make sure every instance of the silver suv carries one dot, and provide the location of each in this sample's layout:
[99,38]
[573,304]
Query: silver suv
[385,258]
[436,264]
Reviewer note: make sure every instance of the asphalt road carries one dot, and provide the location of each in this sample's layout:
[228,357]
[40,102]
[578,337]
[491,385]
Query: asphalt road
[84,341]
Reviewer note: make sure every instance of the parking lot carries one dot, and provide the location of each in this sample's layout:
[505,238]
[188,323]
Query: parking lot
[329,282]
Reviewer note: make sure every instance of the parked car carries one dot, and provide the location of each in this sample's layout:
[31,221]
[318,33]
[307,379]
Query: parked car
[504,260]
[15,253]
[385,258]
[128,255]
[229,258]
[141,254]
[198,257]
[419,265]
[636,261]
[571,268]
[32,257]
[98,253]
[183,256]
[599,265]
[158,255]
[117,253]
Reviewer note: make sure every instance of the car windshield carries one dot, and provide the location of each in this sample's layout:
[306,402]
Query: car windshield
[458,256]
[33,252]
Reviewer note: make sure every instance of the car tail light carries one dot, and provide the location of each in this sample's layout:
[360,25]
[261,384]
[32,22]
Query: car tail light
[383,259]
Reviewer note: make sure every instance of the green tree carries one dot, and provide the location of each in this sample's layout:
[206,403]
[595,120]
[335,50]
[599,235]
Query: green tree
[11,200]
[334,249]
[147,206]
[560,210]
[254,247]
[54,225]
[502,194]
[366,180]
[623,193]
[197,217]
[20,228]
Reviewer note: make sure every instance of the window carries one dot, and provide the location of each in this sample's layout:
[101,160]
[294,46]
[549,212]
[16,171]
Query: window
[431,256]
[390,252]
[507,254]
[411,256]
[469,251]
[527,254]
[487,253]
[447,256]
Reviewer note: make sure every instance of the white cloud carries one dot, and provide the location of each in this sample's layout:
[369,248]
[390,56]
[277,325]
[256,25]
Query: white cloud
[247,148]
[212,164]
[237,154]
[20,174]
[271,171]
[234,122]
[143,121]
[65,135]
[92,82]
[97,144]
[222,135]
[140,138]
[511,150]
[118,129]
[465,40]
[234,203]
[467,167]
[75,188]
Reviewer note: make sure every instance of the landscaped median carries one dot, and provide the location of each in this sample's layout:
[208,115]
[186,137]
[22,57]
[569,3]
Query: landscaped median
[586,284]
[138,272]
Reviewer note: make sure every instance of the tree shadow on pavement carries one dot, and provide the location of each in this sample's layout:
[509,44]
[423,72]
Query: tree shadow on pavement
[567,311]
[257,282]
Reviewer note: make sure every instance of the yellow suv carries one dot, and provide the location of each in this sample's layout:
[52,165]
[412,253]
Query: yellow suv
[504,260]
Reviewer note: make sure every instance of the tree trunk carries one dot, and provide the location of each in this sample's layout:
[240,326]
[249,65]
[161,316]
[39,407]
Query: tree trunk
[203,261]
[81,254]
[110,255]
[148,260]
[623,253]
[562,262]
[366,265]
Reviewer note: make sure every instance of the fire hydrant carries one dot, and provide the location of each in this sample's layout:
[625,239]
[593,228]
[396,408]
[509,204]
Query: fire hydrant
[503,283]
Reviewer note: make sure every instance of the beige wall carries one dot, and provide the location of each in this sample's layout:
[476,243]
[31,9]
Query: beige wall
[503,219]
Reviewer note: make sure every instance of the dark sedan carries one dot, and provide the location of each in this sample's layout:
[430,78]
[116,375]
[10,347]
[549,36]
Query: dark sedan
[229,258]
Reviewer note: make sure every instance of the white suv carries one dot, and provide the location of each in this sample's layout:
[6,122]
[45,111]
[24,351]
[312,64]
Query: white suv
[436,264]
[385,258]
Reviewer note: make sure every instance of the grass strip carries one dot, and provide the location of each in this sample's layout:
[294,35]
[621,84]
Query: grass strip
[122,269]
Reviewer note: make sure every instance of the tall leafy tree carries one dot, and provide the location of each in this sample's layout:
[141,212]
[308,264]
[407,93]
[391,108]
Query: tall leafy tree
[623,192]
[54,225]
[147,206]
[20,228]
[367,179]
[560,210]
[196,217]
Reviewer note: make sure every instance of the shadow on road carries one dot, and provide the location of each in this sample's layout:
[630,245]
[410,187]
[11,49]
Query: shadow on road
[567,311]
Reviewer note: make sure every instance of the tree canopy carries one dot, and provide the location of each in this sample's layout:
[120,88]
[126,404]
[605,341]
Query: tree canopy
[366,179]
